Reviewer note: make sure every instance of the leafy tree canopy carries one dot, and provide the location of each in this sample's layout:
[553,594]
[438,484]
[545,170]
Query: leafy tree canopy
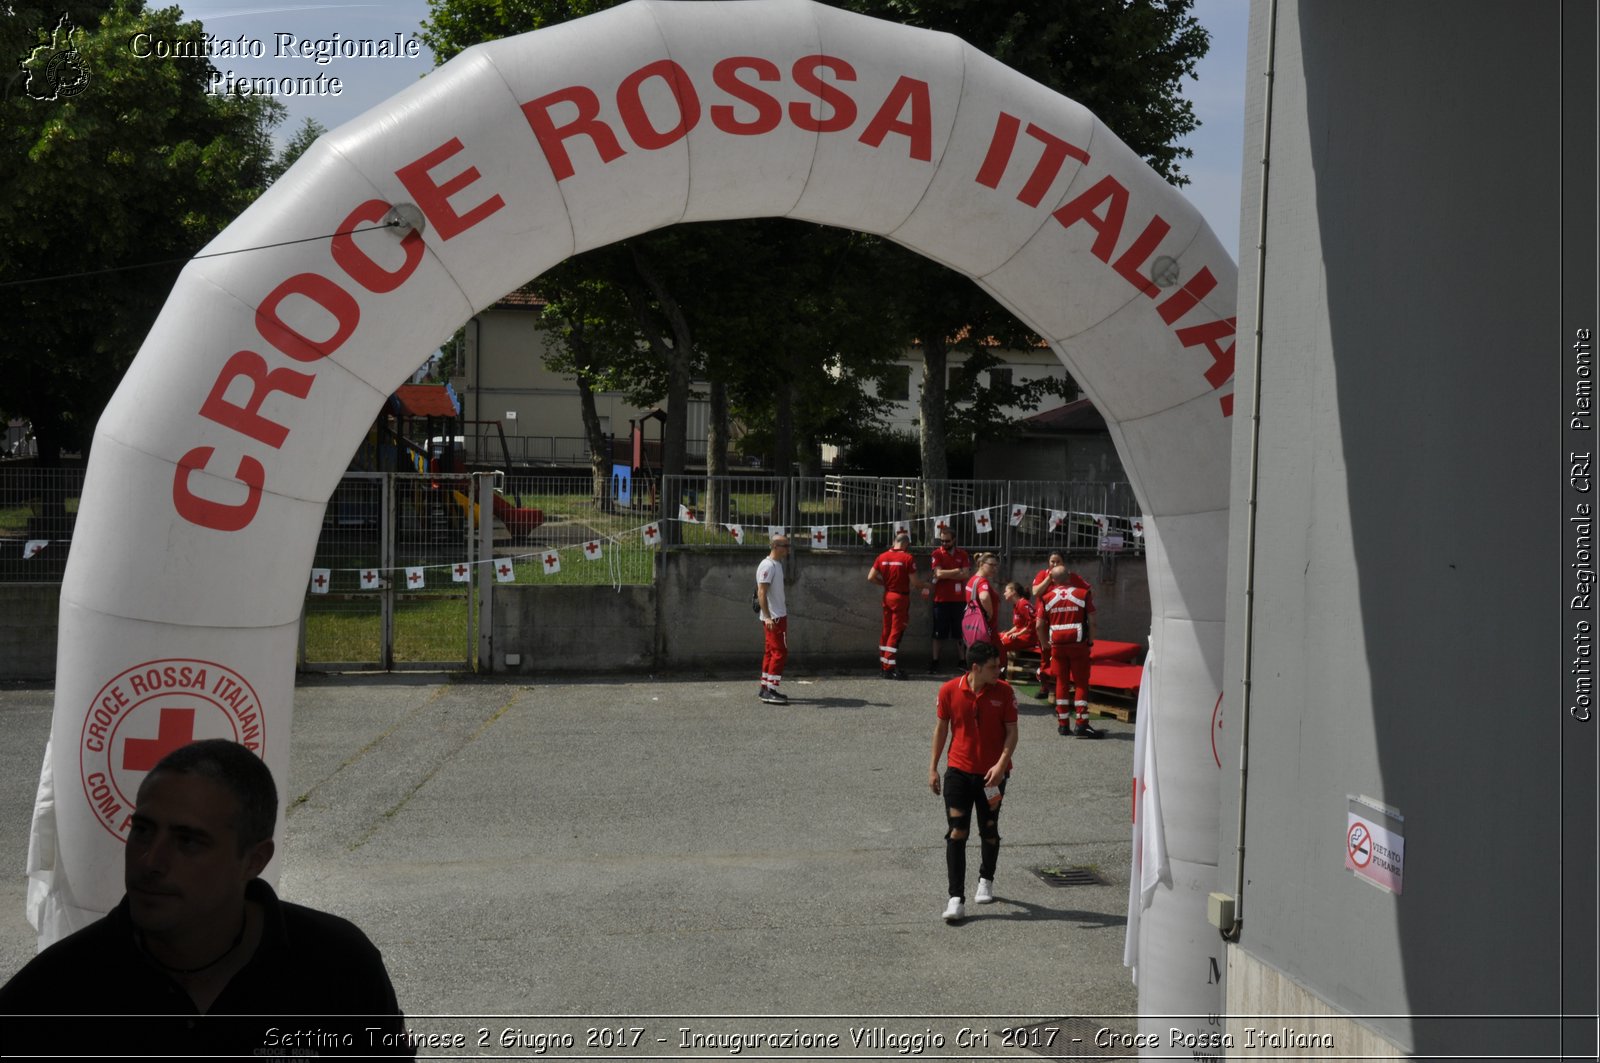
[138,165]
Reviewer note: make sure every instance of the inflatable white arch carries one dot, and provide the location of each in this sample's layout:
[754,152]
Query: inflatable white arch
[214,461]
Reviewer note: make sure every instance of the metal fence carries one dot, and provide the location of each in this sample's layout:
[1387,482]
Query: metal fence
[38,508]
[1009,517]
[559,528]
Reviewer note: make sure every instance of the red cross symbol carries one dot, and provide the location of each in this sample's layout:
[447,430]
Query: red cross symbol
[175,729]
[415,577]
[983,520]
[461,570]
[593,548]
[505,570]
[862,535]
[1017,513]
[369,576]
[549,559]
[942,526]
[688,514]
[818,535]
[650,531]
[1138,526]
[320,580]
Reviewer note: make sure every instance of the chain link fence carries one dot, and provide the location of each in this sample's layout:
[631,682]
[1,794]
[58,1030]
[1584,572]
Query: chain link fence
[1009,517]
[38,508]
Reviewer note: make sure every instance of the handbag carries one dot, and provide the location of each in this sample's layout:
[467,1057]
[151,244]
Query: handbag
[975,625]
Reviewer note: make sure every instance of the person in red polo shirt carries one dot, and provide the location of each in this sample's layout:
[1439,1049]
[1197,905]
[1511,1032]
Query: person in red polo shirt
[951,567]
[978,715]
[896,570]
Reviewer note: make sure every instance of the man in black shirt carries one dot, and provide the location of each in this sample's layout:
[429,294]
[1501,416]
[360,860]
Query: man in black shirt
[201,957]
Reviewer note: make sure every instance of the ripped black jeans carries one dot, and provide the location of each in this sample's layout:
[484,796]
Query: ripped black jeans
[963,792]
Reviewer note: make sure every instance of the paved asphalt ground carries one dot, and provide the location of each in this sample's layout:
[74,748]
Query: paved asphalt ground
[638,850]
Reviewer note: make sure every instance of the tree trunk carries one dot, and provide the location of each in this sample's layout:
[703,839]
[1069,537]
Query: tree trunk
[678,356]
[717,455]
[599,447]
[935,463]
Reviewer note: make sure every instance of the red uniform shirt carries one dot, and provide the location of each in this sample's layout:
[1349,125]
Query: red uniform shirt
[1041,576]
[950,590]
[977,722]
[1066,608]
[894,568]
[1022,618]
[975,588]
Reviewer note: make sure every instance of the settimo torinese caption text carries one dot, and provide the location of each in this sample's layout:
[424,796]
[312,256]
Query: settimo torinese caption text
[317,51]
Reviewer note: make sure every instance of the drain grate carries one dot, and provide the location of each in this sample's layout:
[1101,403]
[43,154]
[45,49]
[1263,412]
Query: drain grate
[1069,876]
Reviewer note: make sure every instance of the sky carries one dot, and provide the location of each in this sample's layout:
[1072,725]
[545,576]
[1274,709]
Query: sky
[1217,94]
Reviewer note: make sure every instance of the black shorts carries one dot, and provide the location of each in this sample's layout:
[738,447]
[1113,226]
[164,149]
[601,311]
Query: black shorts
[947,619]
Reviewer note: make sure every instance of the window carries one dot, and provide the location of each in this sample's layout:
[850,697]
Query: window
[896,383]
[1000,377]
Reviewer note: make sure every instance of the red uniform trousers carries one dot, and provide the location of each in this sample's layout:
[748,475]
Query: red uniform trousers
[1069,663]
[776,652]
[896,615]
[1028,640]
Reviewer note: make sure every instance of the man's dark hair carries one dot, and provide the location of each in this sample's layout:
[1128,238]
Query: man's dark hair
[981,653]
[239,771]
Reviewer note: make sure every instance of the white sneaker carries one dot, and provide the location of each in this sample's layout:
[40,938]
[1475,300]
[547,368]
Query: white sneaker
[985,894]
[954,910]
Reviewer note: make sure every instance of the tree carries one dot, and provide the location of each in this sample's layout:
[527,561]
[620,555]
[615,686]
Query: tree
[135,165]
[1125,61]
[297,146]
[1122,58]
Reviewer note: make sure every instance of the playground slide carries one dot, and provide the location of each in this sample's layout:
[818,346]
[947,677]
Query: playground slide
[520,521]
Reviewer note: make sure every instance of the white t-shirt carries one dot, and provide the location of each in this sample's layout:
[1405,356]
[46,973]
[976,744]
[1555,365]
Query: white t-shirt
[770,572]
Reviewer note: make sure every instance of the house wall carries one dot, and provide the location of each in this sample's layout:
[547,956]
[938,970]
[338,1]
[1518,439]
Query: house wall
[503,372]
[1409,416]
[1074,456]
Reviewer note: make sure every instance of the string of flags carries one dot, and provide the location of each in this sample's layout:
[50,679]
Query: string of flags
[415,577]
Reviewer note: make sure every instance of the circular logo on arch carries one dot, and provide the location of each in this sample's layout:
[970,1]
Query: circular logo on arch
[148,711]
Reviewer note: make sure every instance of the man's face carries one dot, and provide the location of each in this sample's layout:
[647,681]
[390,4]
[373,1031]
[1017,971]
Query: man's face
[947,540]
[182,866]
[985,673]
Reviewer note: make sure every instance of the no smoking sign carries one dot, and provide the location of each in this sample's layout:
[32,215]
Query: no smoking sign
[1375,843]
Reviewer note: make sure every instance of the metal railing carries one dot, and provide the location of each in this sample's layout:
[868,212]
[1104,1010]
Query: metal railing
[1008,517]
[38,509]
[564,517]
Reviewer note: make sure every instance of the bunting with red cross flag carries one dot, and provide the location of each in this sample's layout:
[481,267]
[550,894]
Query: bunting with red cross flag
[33,548]
[652,534]
[775,530]
[459,572]
[552,562]
[902,527]
[320,578]
[819,536]
[415,579]
[1058,519]
[1099,521]
[982,521]
[737,531]
[1138,529]
[863,532]
[942,525]
[592,551]
[369,579]
[1017,513]
[504,571]
[687,514]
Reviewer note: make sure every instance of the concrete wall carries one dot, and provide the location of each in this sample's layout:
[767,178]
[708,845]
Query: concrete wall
[1410,409]
[28,630]
[698,615]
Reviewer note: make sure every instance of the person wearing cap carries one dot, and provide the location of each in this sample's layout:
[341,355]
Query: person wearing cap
[896,570]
